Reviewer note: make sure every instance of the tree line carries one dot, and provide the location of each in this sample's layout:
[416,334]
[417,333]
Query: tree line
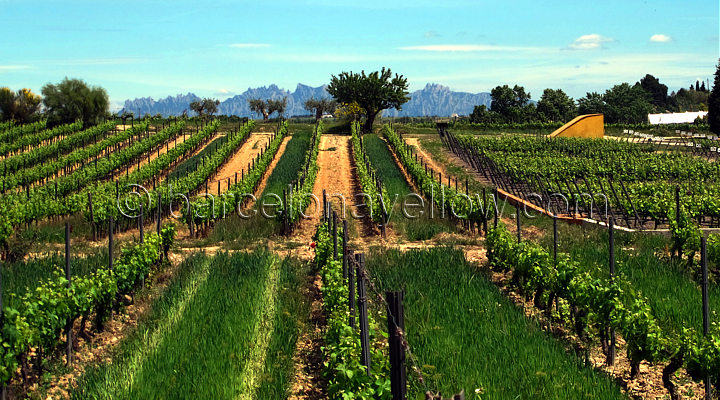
[623,103]
[61,103]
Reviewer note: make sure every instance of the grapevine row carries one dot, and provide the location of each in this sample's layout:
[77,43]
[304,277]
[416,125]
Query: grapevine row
[205,209]
[42,314]
[636,180]
[106,196]
[605,304]
[300,195]
[35,139]
[78,179]
[41,169]
[366,175]
[446,198]
[67,144]
[43,204]
[347,376]
[10,133]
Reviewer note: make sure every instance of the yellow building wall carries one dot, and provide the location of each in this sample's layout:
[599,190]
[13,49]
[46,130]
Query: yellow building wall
[584,126]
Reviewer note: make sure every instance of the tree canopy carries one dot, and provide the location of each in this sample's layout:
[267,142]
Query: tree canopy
[592,103]
[22,106]
[267,107]
[658,92]
[260,107]
[373,92]
[555,106]
[320,106]
[205,106]
[73,99]
[627,104]
[512,105]
[714,103]
[278,106]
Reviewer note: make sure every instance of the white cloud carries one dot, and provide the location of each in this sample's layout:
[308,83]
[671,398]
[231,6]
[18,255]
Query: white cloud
[590,42]
[103,61]
[249,45]
[466,48]
[431,34]
[660,38]
[13,67]
[224,93]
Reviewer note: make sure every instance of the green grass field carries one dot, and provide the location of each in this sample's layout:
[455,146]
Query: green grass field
[672,290]
[421,228]
[19,277]
[466,335]
[221,330]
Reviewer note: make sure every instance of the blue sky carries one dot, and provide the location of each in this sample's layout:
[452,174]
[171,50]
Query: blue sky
[160,48]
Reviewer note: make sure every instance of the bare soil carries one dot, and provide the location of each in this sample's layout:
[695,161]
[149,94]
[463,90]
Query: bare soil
[336,175]
[240,160]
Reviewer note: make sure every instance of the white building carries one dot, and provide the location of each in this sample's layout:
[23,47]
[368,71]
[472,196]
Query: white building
[676,118]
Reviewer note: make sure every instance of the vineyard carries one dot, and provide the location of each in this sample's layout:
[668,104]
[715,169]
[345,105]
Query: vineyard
[220,258]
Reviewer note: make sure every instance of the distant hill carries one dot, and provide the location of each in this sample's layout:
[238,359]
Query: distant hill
[433,100]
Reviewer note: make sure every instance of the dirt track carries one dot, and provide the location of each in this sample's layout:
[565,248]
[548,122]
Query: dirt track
[239,161]
[336,175]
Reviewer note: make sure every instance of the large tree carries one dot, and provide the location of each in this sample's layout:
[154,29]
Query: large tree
[481,115]
[658,92]
[714,103]
[627,104]
[512,105]
[205,106]
[320,106]
[21,106]
[73,99]
[373,92]
[555,106]
[260,107]
[277,105]
[592,103]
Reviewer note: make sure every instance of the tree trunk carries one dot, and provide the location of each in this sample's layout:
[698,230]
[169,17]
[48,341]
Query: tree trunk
[369,121]
[675,364]
[634,369]
[318,114]
[266,115]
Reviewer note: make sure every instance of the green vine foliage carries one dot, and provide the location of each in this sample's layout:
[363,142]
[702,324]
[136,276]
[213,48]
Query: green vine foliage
[347,377]
[364,172]
[205,209]
[41,314]
[602,304]
[445,197]
[300,199]
[685,236]
[35,137]
[648,176]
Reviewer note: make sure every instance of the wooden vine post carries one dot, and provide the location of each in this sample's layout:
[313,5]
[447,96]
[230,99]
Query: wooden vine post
[705,305]
[335,235]
[351,293]
[396,328]
[68,325]
[344,249]
[362,305]
[611,234]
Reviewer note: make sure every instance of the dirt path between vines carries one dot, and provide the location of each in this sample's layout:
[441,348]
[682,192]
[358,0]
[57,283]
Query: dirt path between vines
[336,175]
[171,143]
[412,141]
[269,170]
[240,160]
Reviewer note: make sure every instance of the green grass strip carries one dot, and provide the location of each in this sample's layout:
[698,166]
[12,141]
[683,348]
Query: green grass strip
[466,335]
[262,333]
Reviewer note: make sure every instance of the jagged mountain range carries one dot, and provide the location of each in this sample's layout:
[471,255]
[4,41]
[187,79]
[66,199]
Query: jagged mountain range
[433,100]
